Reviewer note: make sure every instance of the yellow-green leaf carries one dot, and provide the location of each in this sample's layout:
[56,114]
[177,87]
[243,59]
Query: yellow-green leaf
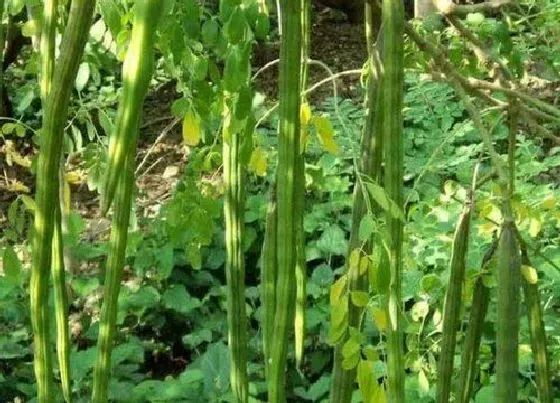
[191,129]
[535,226]
[549,202]
[379,318]
[325,131]
[305,114]
[364,265]
[338,289]
[359,298]
[354,259]
[370,390]
[423,382]
[258,161]
[530,274]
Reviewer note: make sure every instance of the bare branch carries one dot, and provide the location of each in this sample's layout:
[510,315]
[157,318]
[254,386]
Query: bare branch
[447,7]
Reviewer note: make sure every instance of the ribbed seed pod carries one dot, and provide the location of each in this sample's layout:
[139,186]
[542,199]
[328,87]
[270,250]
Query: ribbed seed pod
[46,198]
[113,274]
[452,306]
[234,214]
[288,151]
[471,346]
[536,329]
[137,69]
[268,276]
[301,271]
[392,129]
[507,328]
[137,72]
[61,309]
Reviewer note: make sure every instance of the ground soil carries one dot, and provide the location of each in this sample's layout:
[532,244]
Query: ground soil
[336,42]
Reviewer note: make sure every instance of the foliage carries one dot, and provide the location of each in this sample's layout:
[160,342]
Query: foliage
[171,342]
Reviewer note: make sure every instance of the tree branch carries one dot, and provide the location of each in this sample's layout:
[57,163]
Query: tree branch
[447,7]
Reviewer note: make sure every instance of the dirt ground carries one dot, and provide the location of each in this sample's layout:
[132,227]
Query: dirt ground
[161,157]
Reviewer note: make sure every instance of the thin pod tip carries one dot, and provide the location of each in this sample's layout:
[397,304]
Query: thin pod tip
[104,206]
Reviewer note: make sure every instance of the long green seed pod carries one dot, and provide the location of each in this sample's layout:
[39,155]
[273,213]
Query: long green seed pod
[138,68]
[113,275]
[392,85]
[507,329]
[268,276]
[61,308]
[301,272]
[234,210]
[137,72]
[47,57]
[299,206]
[55,112]
[471,347]
[536,329]
[342,383]
[452,306]
[288,150]
[47,45]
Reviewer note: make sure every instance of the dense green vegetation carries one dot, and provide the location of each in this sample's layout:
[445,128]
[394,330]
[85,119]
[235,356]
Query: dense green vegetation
[185,219]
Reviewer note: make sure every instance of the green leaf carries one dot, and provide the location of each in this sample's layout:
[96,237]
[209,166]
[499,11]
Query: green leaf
[367,226]
[226,8]
[359,298]
[485,395]
[192,131]
[191,19]
[333,241]
[29,28]
[369,388]
[178,299]
[262,26]
[82,76]
[196,338]
[319,388]
[11,265]
[236,27]
[350,348]
[325,132]
[423,382]
[385,202]
[244,103]
[210,32]
[322,276]
[430,282]
[475,18]
[111,15]
[215,367]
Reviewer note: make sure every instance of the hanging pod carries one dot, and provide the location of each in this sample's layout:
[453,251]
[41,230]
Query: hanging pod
[137,73]
[507,328]
[452,305]
[286,222]
[138,68]
[46,197]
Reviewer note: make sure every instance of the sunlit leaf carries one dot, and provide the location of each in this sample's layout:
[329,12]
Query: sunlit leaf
[258,162]
[191,129]
[325,131]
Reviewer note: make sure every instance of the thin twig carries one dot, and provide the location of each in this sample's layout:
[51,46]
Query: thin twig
[264,68]
[155,121]
[447,7]
[539,129]
[164,133]
[309,91]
